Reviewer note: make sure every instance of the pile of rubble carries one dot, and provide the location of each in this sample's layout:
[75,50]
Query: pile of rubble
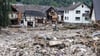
[77,42]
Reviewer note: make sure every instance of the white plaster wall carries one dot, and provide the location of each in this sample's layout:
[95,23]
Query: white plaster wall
[12,15]
[29,19]
[72,14]
[25,23]
[59,18]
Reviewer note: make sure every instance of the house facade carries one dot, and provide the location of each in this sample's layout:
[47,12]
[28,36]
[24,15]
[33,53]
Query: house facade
[60,12]
[13,18]
[31,15]
[31,18]
[15,15]
[77,13]
[52,15]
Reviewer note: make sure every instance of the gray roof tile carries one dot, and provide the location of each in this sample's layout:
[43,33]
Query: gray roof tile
[73,6]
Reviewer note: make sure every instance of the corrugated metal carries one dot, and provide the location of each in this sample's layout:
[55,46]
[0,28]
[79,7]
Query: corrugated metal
[96,4]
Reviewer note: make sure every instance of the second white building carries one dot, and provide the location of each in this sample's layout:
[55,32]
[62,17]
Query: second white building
[77,13]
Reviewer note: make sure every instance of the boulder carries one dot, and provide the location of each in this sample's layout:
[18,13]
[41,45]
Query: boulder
[54,43]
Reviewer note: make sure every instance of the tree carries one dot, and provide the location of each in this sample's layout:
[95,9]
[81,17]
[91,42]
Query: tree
[4,10]
[13,1]
[54,2]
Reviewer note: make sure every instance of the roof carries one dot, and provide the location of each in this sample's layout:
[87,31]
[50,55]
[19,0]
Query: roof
[96,5]
[35,8]
[34,13]
[60,8]
[74,6]
[22,8]
[42,8]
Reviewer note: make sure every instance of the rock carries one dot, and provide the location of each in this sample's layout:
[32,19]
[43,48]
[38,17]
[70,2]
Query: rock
[95,38]
[40,41]
[55,43]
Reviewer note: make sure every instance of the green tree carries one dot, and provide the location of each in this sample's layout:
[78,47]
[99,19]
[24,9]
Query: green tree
[54,2]
[13,1]
[4,10]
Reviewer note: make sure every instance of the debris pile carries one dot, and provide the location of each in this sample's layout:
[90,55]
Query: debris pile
[43,43]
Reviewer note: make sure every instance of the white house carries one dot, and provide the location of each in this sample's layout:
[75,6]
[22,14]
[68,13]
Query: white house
[77,13]
[32,17]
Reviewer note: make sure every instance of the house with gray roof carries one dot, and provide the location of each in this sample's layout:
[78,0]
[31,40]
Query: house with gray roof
[32,14]
[77,13]
[32,17]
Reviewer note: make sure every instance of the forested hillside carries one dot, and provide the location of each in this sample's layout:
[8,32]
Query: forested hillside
[53,2]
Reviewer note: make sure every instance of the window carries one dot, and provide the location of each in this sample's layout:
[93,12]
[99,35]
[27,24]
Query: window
[66,18]
[12,15]
[22,21]
[77,18]
[77,11]
[86,19]
[82,6]
[86,11]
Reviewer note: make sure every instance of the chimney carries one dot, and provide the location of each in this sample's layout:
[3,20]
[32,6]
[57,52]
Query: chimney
[73,3]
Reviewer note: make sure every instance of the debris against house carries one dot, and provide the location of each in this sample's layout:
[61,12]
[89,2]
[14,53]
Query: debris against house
[49,43]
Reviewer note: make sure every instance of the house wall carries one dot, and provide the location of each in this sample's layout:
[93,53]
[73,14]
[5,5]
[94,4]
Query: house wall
[13,15]
[59,18]
[71,15]
[29,19]
[13,18]
[33,19]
